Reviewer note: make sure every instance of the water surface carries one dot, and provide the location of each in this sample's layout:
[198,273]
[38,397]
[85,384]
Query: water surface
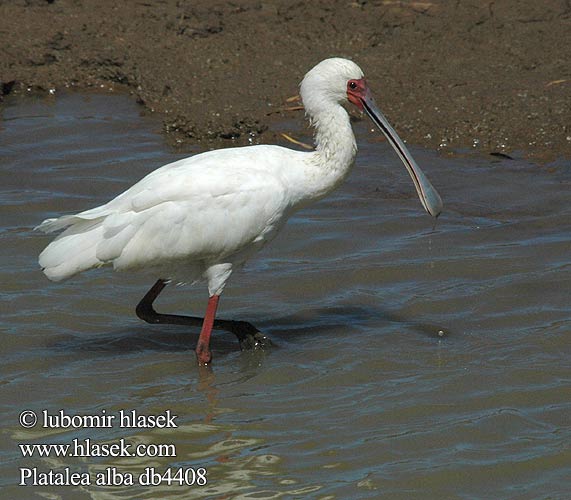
[361,397]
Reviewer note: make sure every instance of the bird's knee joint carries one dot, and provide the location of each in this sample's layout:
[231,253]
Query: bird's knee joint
[146,313]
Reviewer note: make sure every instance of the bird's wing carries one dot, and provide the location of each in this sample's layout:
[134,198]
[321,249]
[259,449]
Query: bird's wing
[197,211]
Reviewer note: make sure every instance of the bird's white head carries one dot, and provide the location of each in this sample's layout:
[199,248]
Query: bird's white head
[335,81]
[327,83]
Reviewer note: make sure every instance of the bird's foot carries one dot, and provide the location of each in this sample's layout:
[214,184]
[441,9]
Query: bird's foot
[257,341]
[203,355]
[249,337]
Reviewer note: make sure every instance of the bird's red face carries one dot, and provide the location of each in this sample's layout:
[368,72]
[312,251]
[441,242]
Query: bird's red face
[357,92]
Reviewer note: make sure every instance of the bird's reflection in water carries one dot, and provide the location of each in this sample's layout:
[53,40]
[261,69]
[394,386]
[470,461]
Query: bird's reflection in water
[250,364]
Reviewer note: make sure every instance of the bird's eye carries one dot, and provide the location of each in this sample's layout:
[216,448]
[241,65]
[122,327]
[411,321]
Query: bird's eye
[352,85]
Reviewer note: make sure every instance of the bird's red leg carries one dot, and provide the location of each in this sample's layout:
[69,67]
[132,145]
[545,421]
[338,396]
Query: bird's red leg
[203,354]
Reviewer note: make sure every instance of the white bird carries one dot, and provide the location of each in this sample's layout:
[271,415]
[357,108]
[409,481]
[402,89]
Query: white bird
[201,218]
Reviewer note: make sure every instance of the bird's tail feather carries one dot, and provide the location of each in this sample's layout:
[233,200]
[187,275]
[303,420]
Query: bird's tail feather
[51,225]
[72,251]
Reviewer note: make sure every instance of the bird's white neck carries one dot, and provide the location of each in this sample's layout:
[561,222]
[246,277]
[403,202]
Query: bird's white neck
[335,146]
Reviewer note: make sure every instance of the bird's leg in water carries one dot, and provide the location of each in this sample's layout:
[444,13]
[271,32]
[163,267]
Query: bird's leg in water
[248,335]
[203,354]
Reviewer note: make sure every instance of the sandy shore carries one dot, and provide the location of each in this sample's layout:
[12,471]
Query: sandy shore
[449,75]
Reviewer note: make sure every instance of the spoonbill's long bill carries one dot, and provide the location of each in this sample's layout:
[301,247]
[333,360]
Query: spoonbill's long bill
[202,217]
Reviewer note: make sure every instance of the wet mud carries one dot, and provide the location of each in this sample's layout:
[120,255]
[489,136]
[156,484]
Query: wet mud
[494,76]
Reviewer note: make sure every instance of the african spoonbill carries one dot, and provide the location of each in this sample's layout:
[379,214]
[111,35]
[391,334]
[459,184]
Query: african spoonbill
[202,217]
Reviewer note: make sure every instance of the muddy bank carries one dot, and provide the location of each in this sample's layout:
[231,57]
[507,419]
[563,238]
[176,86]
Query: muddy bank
[494,75]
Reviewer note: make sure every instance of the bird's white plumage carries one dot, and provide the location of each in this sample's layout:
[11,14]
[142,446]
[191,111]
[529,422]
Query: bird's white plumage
[201,217]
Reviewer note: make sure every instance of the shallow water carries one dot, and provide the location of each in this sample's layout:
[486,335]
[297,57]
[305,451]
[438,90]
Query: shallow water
[361,397]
